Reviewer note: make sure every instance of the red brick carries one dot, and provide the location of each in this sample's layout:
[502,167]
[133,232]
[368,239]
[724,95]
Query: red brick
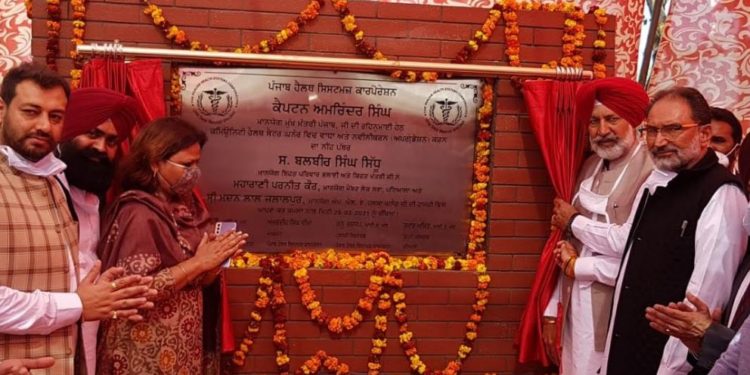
[506,123]
[419,296]
[499,262]
[246,20]
[408,11]
[503,193]
[532,228]
[182,16]
[444,31]
[502,228]
[517,245]
[515,141]
[475,16]
[402,47]
[439,346]
[338,294]
[522,211]
[331,277]
[505,158]
[444,312]
[525,262]
[530,159]
[511,106]
[327,43]
[512,176]
[535,194]
[375,27]
[513,279]
[98,11]
[447,278]
[548,37]
[309,347]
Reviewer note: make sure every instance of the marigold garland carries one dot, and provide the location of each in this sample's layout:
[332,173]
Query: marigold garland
[349,23]
[79,31]
[600,54]
[53,33]
[386,284]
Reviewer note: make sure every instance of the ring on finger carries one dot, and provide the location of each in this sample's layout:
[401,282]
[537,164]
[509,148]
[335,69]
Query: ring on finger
[114,315]
[114,285]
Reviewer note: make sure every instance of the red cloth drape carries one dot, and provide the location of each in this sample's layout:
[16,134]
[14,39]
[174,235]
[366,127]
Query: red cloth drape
[551,106]
[144,81]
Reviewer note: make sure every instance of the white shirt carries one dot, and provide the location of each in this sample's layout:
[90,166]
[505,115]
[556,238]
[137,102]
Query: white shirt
[38,312]
[87,208]
[719,247]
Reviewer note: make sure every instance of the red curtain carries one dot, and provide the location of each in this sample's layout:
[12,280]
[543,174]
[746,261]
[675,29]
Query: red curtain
[551,106]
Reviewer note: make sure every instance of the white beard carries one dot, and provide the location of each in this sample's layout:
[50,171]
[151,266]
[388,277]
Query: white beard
[617,150]
[680,159]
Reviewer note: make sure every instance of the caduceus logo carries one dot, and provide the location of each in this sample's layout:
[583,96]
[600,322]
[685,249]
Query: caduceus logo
[214,100]
[445,110]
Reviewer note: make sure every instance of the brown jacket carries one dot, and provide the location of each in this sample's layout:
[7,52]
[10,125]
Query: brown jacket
[36,234]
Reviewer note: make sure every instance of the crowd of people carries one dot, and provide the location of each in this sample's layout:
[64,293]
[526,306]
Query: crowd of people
[653,272]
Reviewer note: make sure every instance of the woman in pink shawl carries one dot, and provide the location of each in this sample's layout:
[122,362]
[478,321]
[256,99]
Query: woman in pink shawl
[159,228]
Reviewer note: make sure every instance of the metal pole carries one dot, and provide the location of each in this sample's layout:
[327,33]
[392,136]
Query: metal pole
[334,63]
[658,7]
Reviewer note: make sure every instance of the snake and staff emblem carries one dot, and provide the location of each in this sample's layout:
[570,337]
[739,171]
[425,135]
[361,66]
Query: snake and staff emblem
[214,100]
[445,110]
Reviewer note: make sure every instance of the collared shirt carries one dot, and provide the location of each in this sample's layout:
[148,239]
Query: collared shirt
[38,312]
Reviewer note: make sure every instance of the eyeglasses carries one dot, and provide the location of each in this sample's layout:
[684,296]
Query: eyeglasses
[669,131]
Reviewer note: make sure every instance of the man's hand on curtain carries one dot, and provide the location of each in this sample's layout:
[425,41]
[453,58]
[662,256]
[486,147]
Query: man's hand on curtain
[549,334]
[562,213]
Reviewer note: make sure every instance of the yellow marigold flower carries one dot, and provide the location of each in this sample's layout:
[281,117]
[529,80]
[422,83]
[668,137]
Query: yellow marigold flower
[405,337]
[302,272]
[473,45]
[255,316]
[407,264]
[349,23]
[570,23]
[481,268]
[484,278]
[282,359]
[600,44]
[471,335]
[398,296]
[313,305]
[359,36]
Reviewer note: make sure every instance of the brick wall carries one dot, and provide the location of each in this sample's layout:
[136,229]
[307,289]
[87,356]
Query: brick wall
[439,302]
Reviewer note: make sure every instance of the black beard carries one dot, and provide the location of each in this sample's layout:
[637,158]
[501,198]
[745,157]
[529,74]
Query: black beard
[88,169]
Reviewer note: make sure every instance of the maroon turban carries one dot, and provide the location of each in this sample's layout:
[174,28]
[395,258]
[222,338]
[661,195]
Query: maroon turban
[623,96]
[90,107]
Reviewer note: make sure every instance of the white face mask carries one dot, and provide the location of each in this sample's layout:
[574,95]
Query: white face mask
[593,202]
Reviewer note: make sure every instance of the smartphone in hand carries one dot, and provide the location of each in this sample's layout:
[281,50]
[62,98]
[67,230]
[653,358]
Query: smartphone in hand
[225,227]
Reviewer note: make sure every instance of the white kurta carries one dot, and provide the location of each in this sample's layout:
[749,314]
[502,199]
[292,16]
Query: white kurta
[579,354]
[719,248]
[87,209]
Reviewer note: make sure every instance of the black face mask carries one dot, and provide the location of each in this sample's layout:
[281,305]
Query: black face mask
[88,169]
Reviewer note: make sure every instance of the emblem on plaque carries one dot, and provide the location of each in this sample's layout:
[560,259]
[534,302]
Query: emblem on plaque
[445,110]
[214,100]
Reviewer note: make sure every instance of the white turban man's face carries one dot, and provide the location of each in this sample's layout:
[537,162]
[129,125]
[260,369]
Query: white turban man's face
[611,137]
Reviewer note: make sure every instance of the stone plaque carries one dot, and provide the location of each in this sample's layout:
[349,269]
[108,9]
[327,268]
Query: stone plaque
[315,159]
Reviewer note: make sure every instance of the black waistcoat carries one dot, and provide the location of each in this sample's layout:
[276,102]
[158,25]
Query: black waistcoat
[661,255]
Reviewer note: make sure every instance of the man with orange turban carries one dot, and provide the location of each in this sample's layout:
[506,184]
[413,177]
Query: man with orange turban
[607,185]
[96,121]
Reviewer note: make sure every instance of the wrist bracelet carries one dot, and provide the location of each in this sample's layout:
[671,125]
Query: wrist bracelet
[570,269]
